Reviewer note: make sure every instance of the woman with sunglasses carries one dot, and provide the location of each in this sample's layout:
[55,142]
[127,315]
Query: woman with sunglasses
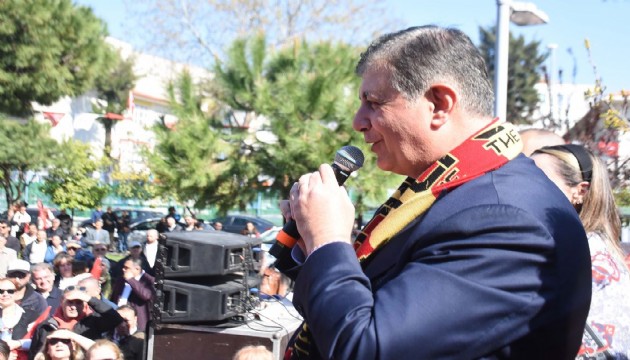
[80,313]
[13,323]
[64,345]
[583,178]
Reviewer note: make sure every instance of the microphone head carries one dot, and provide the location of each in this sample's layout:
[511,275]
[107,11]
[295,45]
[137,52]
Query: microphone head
[350,158]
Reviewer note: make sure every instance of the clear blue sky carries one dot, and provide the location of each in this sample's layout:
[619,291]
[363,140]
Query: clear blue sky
[605,23]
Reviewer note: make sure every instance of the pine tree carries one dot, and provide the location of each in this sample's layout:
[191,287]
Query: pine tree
[524,69]
[48,49]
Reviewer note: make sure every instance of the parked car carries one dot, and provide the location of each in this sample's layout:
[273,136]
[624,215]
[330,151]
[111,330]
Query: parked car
[236,223]
[33,212]
[135,215]
[138,229]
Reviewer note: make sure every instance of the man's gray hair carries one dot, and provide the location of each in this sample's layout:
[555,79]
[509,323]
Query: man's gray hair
[420,56]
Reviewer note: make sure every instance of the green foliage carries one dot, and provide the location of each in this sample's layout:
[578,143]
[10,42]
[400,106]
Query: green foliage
[26,147]
[69,182]
[133,186]
[305,96]
[48,49]
[524,65]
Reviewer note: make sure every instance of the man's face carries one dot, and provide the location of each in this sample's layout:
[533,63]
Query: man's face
[4,229]
[189,221]
[397,129]
[130,269]
[99,250]
[98,224]
[56,223]
[32,230]
[170,221]
[43,280]
[130,322]
[20,276]
[41,236]
[151,237]
[135,252]
[72,308]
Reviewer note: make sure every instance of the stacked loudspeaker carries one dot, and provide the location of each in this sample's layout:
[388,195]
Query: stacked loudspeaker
[206,276]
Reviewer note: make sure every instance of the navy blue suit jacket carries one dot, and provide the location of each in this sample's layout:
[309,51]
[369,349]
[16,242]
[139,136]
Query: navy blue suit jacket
[498,268]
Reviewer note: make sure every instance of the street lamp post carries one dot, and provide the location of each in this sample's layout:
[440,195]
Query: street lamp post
[521,14]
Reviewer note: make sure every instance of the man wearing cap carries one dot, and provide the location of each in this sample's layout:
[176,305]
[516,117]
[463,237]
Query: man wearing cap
[135,252]
[33,303]
[6,256]
[43,276]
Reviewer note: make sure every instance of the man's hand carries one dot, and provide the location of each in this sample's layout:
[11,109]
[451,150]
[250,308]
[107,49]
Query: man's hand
[77,295]
[321,208]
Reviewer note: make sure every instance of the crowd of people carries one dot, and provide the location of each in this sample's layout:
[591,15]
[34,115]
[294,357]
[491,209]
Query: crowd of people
[62,297]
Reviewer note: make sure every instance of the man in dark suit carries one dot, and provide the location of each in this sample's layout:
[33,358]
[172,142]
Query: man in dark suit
[135,288]
[477,255]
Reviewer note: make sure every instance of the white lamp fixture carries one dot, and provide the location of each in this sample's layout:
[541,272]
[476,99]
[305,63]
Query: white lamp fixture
[521,14]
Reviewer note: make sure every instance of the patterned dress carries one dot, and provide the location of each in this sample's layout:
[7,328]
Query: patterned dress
[607,334]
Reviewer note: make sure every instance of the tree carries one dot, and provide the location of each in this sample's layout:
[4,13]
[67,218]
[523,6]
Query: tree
[305,95]
[201,30]
[113,86]
[69,182]
[26,148]
[524,71]
[48,49]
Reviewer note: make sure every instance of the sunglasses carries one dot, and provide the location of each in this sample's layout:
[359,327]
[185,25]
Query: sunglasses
[71,249]
[7,291]
[72,287]
[99,250]
[55,341]
[16,274]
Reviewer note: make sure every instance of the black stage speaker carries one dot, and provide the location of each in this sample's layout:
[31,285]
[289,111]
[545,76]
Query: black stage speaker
[209,253]
[202,300]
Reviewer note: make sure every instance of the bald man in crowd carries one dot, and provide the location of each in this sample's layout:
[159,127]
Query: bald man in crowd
[534,139]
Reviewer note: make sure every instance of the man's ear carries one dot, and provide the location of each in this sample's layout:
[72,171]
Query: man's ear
[443,98]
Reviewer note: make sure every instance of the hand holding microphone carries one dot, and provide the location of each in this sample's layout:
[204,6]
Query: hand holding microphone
[317,212]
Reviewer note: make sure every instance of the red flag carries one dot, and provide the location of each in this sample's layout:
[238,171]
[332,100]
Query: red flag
[42,215]
[96,268]
[54,117]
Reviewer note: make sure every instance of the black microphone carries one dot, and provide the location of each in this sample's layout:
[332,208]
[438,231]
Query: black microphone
[347,159]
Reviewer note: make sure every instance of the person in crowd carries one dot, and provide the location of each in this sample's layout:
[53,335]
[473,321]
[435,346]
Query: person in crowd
[5,350]
[64,344]
[151,247]
[92,287]
[73,248]
[476,244]
[583,178]
[250,230]
[534,139]
[190,223]
[124,222]
[110,223]
[97,214]
[55,247]
[12,241]
[35,252]
[218,226]
[13,320]
[172,225]
[21,219]
[66,223]
[253,352]
[43,276]
[97,235]
[63,269]
[173,214]
[6,256]
[129,338]
[32,302]
[80,313]
[104,349]
[135,252]
[28,237]
[55,229]
[136,288]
